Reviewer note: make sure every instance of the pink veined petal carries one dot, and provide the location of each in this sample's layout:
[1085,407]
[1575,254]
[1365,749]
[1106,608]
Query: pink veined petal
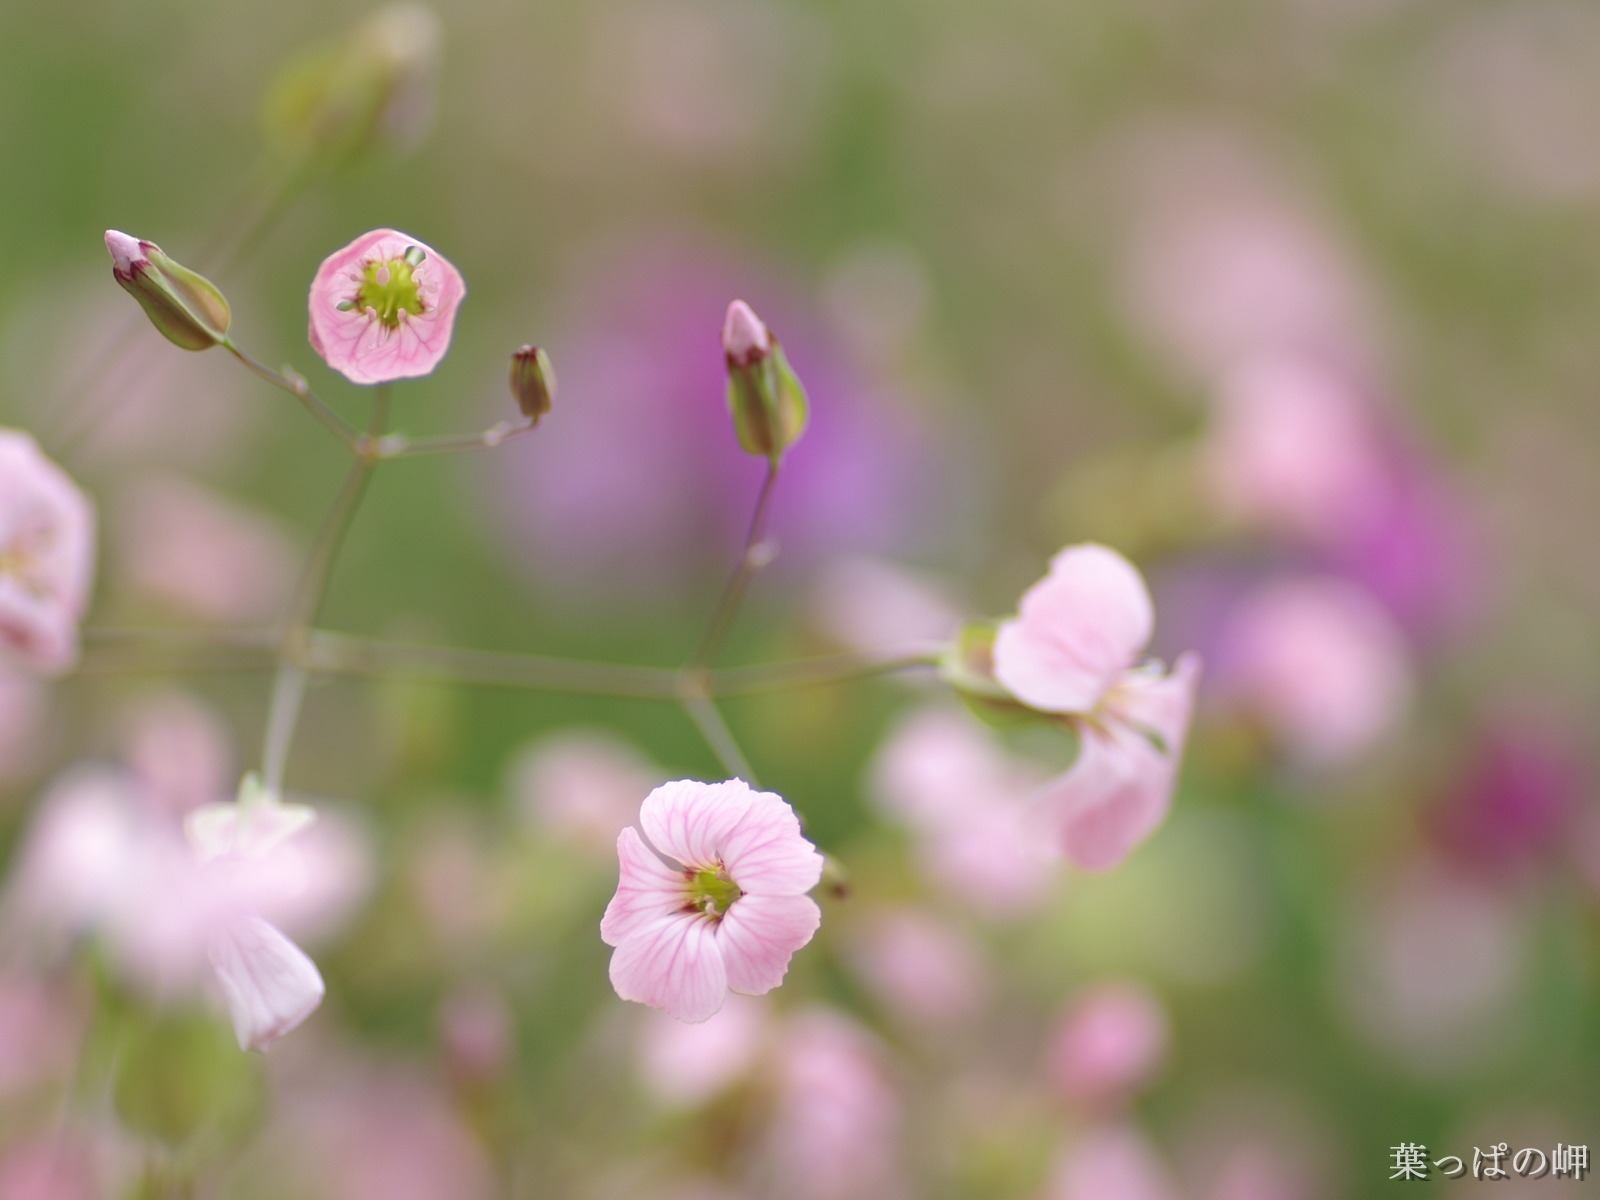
[760,934]
[647,890]
[1114,797]
[690,821]
[268,982]
[674,964]
[766,853]
[1077,629]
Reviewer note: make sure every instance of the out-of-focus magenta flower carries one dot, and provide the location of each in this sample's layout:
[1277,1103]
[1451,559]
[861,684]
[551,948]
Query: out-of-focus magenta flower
[1513,797]
[383,307]
[641,491]
[1073,649]
[1111,1163]
[207,556]
[582,786]
[1108,1044]
[715,900]
[47,535]
[684,1065]
[836,1122]
[1320,664]
[920,968]
[969,804]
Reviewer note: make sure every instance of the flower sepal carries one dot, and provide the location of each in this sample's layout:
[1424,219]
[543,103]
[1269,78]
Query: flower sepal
[967,666]
[188,309]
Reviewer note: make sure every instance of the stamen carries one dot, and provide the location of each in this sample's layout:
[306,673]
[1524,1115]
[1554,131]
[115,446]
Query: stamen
[381,276]
[415,255]
[345,305]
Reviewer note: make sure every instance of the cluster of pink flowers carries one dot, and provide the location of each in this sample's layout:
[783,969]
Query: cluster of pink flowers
[47,538]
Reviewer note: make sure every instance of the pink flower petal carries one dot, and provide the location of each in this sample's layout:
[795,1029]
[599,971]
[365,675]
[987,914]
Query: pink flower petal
[647,890]
[1114,796]
[690,821]
[767,854]
[760,934]
[47,539]
[269,983]
[1076,631]
[674,964]
[361,348]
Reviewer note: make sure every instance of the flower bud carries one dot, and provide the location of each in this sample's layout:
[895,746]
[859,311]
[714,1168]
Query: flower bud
[533,382]
[373,86]
[187,308]
[765,397]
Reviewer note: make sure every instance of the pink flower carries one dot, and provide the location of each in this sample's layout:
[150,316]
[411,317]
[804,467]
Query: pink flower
[1321,664]
[1073,649]
[1108,1044]
[47,538]
[382,308]
[714,900]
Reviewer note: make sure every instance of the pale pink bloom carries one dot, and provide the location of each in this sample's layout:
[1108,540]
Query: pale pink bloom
[207,556]
[47,536]
[970,806]
[877,607]
[1291,448]
[1108,1044]
[268,982]
[582,785]
[715,900]
[382,308]
[836,1125]
[1112,1163]
[1320,664]
[1074,649]
[920,968]
[684,1065]
[180,749]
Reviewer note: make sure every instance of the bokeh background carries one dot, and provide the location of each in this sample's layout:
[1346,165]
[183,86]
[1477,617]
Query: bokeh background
[1294,302]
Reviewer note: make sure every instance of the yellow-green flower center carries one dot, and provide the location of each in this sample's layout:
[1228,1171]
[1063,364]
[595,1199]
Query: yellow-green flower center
[712,892]
[389,289]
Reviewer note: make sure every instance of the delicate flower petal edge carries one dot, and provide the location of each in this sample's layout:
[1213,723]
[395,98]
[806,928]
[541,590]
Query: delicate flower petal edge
[674,964]
[760,934]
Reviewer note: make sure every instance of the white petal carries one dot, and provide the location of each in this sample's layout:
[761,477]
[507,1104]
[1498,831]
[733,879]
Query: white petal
[269,983]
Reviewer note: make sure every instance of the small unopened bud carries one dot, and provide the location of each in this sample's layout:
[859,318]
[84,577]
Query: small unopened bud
[533,382]
[187,308]
[374,86]
[765,397]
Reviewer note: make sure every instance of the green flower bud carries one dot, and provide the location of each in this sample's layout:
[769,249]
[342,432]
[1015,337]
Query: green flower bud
[765,396]
[187,308]
[533,382]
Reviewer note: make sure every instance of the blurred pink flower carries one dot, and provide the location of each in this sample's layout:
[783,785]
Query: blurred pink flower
[382,308]
[1108,1044]
[207,556]
[1111,1163]
[477,1031]
[582,785]
[1290,447]
[920,968]
[716,899]
[969,804]
[874,606]
[835,1129]
[685,1065]
[1073,649]
[100,858]
[50,1166]
[180,749]
[42,1026]
[47,537]
[1320,664]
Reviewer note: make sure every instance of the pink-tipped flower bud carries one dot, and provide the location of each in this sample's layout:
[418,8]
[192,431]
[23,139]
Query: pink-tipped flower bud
[533,382]
[765,397]
[186,307]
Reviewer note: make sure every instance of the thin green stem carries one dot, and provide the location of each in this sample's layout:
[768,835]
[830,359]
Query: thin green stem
[354,441]
[398,445]
[288,689]
[754,555]
[708,720]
